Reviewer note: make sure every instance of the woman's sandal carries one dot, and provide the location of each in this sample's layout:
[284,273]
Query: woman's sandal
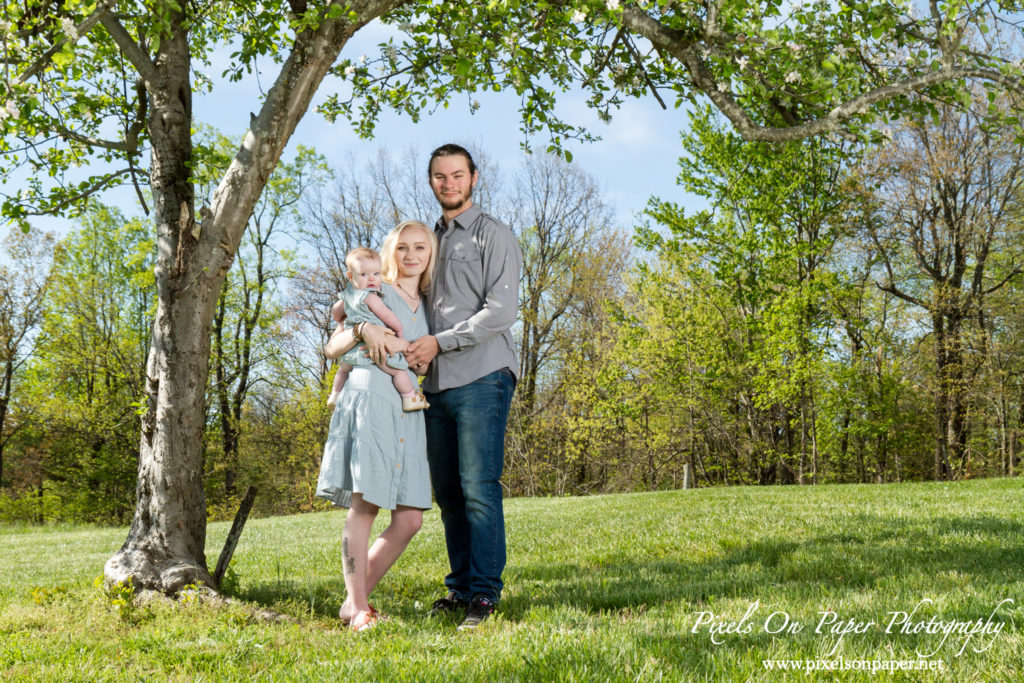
[346,622]
[372,618]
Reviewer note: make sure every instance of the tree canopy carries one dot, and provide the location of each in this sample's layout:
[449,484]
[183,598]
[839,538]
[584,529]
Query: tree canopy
[79,77]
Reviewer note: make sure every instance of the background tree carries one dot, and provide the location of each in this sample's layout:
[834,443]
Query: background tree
[24,279]
[247,330]
[85,382]
[777,215]
[558,213]
[948,200]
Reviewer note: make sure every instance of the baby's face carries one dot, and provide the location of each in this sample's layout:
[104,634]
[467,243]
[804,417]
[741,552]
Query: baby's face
[366,274]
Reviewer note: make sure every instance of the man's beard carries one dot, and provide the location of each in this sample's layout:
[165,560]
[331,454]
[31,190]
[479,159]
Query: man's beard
[450,204]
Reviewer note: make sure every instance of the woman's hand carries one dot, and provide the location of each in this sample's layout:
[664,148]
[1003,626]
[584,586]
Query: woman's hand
[381,342]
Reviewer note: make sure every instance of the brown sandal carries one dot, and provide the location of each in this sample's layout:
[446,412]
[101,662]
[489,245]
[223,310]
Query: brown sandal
[372,618]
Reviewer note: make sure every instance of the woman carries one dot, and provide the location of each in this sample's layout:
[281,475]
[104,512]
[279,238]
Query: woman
[376,454]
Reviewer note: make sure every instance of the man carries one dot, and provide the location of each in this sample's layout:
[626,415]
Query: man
[473,303]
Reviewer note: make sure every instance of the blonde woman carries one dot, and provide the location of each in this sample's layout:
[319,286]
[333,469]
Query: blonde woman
[375,456]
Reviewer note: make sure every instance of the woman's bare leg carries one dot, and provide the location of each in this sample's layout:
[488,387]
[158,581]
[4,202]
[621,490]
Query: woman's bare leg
[354,542]
[388,547]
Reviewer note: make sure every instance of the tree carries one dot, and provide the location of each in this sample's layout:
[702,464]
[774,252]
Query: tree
[559,215]
[102,81]
[359,208]
[86,380]
[778,213]
[23,284]
[165,548]
[948,197]
[246,324]
[779,72]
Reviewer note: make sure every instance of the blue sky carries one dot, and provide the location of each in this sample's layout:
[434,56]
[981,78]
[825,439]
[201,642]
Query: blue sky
[634,160]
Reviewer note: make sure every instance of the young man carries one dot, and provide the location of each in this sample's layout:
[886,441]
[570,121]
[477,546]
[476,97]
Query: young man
[473,303]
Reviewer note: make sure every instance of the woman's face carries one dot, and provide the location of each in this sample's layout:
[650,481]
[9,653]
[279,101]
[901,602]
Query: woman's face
[412,251]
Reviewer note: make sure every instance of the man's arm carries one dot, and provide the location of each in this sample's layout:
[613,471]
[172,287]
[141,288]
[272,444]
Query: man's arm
[502,263]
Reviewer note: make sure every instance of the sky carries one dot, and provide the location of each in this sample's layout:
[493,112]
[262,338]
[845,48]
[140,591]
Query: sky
[635,159]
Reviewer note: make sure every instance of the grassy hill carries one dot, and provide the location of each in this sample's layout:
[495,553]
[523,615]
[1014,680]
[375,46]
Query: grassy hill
[621,587]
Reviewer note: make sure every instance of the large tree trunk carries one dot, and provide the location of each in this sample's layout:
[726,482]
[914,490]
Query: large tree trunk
[165,549]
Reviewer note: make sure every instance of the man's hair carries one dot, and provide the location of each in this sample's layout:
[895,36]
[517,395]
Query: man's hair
[451,150]
[359,253]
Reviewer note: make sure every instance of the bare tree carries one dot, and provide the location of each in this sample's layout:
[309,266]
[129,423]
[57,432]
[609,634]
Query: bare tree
[362,204]
[560,216]
[23,284]
[948,196]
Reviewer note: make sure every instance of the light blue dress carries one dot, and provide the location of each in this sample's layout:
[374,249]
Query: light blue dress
[356,311]
[373,447]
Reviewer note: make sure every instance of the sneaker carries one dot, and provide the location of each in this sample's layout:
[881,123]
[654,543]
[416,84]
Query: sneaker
[479,610]
[449,604]
[415,402]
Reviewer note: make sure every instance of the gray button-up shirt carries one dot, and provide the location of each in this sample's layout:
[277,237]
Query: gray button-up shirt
[474,299]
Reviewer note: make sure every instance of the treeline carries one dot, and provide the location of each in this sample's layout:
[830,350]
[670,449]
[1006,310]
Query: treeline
[840,313]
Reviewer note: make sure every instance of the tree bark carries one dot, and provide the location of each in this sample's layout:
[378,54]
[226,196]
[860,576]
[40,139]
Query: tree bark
[165,548]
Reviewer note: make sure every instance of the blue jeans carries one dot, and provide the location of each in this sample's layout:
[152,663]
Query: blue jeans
[466,451]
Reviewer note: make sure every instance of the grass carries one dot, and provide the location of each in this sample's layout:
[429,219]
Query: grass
[598,588]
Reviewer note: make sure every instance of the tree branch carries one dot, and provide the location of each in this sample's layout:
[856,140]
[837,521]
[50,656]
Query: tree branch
[1014,273]
[101,10]
[93,189]
[135,54]
[68,134]
[683,47]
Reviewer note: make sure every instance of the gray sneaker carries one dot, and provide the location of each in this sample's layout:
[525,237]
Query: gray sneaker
[479,610]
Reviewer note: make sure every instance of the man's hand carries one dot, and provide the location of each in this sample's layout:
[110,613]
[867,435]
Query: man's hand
[422,351]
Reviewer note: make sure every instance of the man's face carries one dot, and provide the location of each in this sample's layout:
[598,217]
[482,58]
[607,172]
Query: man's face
[452,182]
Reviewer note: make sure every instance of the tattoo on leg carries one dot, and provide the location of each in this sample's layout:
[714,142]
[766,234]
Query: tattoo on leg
[347,560]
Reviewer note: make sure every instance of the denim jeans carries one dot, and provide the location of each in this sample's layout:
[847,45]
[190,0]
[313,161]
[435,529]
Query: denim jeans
[466,451]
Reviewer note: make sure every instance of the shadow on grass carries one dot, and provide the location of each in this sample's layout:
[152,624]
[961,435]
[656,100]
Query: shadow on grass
[868,549]
[875,548]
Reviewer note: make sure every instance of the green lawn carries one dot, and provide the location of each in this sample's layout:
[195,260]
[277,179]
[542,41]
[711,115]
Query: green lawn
[598,588]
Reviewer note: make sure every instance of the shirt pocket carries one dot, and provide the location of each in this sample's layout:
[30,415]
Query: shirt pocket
[463,269]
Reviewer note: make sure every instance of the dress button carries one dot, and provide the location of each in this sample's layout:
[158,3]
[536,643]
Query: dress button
[398,466]
[401,441]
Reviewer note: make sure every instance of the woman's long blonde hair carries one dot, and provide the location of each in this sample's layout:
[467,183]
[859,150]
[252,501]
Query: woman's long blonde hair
[389,261]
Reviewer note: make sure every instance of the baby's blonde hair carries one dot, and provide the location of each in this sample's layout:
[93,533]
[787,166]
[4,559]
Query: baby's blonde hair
[359,253]
[389,261]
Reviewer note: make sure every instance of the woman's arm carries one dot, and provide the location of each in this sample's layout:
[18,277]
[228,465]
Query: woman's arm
[341,342]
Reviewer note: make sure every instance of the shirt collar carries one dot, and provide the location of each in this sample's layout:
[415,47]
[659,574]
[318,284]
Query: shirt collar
[463,220]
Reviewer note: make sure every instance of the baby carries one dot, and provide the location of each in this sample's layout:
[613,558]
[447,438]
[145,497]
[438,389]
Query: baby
[362,303]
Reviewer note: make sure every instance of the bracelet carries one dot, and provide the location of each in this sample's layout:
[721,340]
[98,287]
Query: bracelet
[357,332]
